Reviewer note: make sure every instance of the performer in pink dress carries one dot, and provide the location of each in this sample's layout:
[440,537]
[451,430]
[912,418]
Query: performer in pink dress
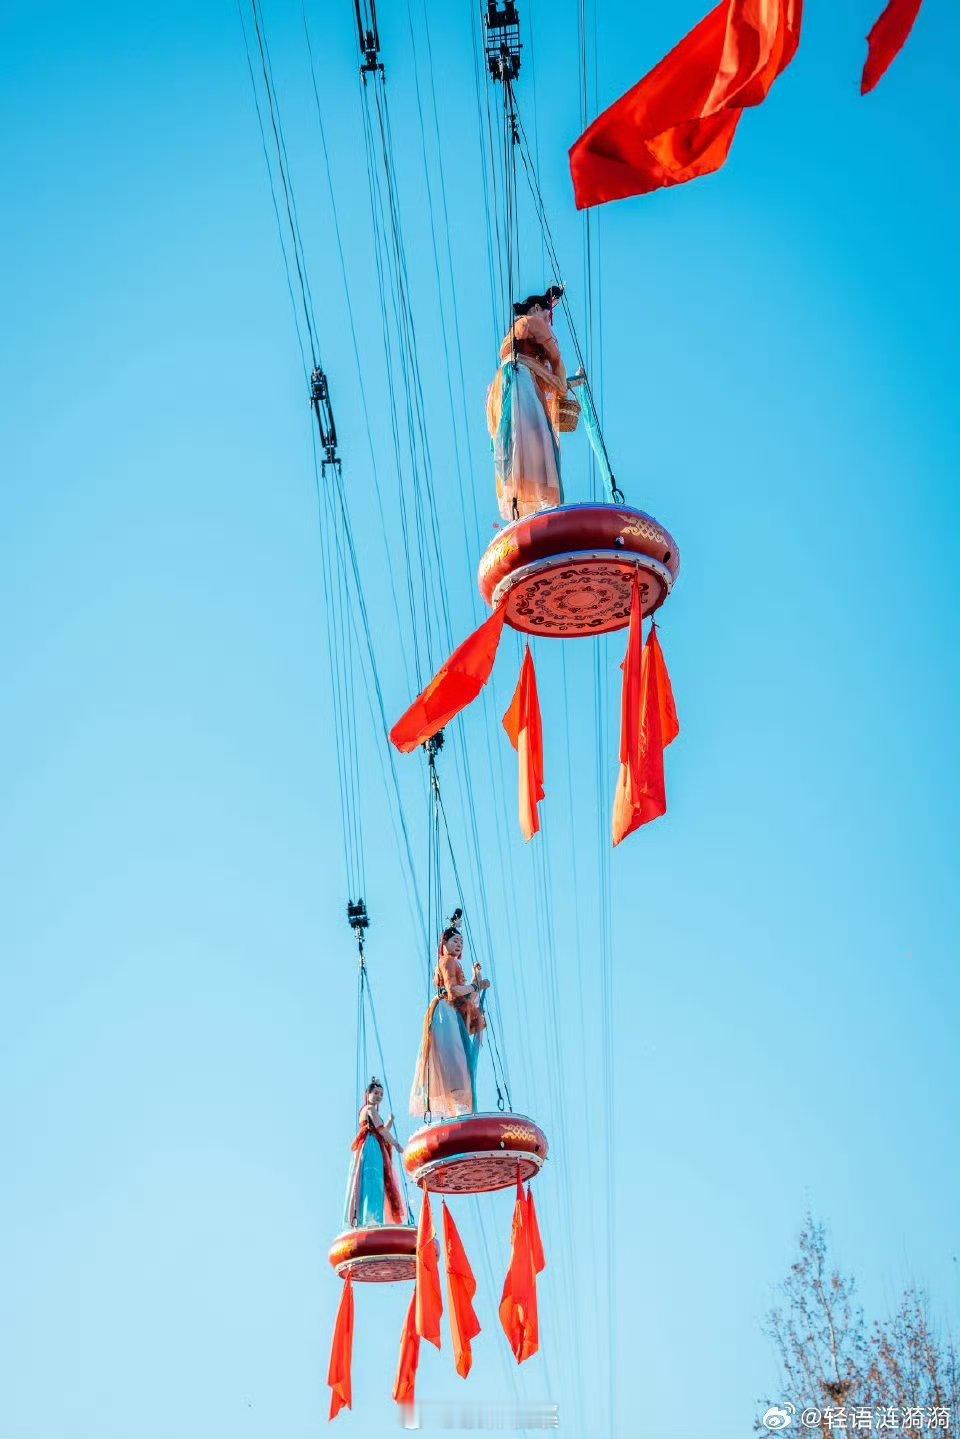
[445,1079]
[523,410]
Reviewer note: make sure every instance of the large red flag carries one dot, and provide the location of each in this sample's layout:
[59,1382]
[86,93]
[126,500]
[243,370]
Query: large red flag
[518,1303]
[680,120]
[455,685]
[405,1382]
[461,1287]
[523,724]
[641,790]
[887,39]
[341,1354]
[429,1300]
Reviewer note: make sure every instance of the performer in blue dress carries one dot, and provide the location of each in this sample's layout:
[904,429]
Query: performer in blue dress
[373,1194]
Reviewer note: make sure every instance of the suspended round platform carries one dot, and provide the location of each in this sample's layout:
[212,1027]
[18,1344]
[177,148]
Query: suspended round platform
[475,1154]
[569,571]
[380,1254]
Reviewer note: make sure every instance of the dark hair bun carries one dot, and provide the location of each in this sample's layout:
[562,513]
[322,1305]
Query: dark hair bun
[546,301]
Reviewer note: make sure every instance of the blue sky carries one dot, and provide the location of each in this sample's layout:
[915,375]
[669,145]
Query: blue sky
[779,369]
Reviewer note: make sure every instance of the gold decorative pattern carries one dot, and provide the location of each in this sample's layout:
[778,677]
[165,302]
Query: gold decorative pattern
[499,552]
[522,1135]
[415,1153]
[646,530]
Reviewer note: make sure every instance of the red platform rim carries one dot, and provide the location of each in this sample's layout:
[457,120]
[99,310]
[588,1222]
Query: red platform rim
[475,1162]
[379,1253]
[566,572]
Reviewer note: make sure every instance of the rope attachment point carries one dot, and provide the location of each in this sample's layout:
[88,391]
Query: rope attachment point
[322,408]
[502,21]
[359,922]
[368,33]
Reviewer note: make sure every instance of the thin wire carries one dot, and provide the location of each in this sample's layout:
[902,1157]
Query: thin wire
[496,1056]
[341,676]
[383,1070]
[368,428]
[273,190]
[486,167]
[286,181]
[428,557]
[547,233]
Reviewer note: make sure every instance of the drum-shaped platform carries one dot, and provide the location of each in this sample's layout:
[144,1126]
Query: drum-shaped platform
[568,572]
[475,1154]
[380,1254]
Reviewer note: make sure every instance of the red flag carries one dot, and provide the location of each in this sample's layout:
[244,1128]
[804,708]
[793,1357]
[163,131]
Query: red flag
[618,156]
[522,723]
[537,1255]
[341,1354]
[429,1300]
[669,724]
[680,120]
[518,1303]
[461,1287]
[641,791]
[403,1388]
[455,685]
[887,39]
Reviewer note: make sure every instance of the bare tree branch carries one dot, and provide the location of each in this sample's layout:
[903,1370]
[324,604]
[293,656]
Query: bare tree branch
[829,1359]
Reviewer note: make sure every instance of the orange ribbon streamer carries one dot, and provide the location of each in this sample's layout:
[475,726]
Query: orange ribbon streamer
[341,1354]
[518,1303]
[523,724]
[641,793]
[461,1288]
[429,1300]
[669,724]
[537,1256]
[405,1382]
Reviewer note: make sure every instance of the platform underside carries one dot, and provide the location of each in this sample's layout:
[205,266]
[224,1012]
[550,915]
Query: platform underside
[378,1268]
[478,1173]
[575,595]
[378,1254]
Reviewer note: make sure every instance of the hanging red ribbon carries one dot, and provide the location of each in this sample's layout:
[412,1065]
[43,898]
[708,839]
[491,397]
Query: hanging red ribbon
[641,789]
[653,654]
[887,39]
[341,1354]
[523,724]
[404,1388]
[537,1256]
[455,685]
[429,1300]
[518,1303]
[461,1288]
